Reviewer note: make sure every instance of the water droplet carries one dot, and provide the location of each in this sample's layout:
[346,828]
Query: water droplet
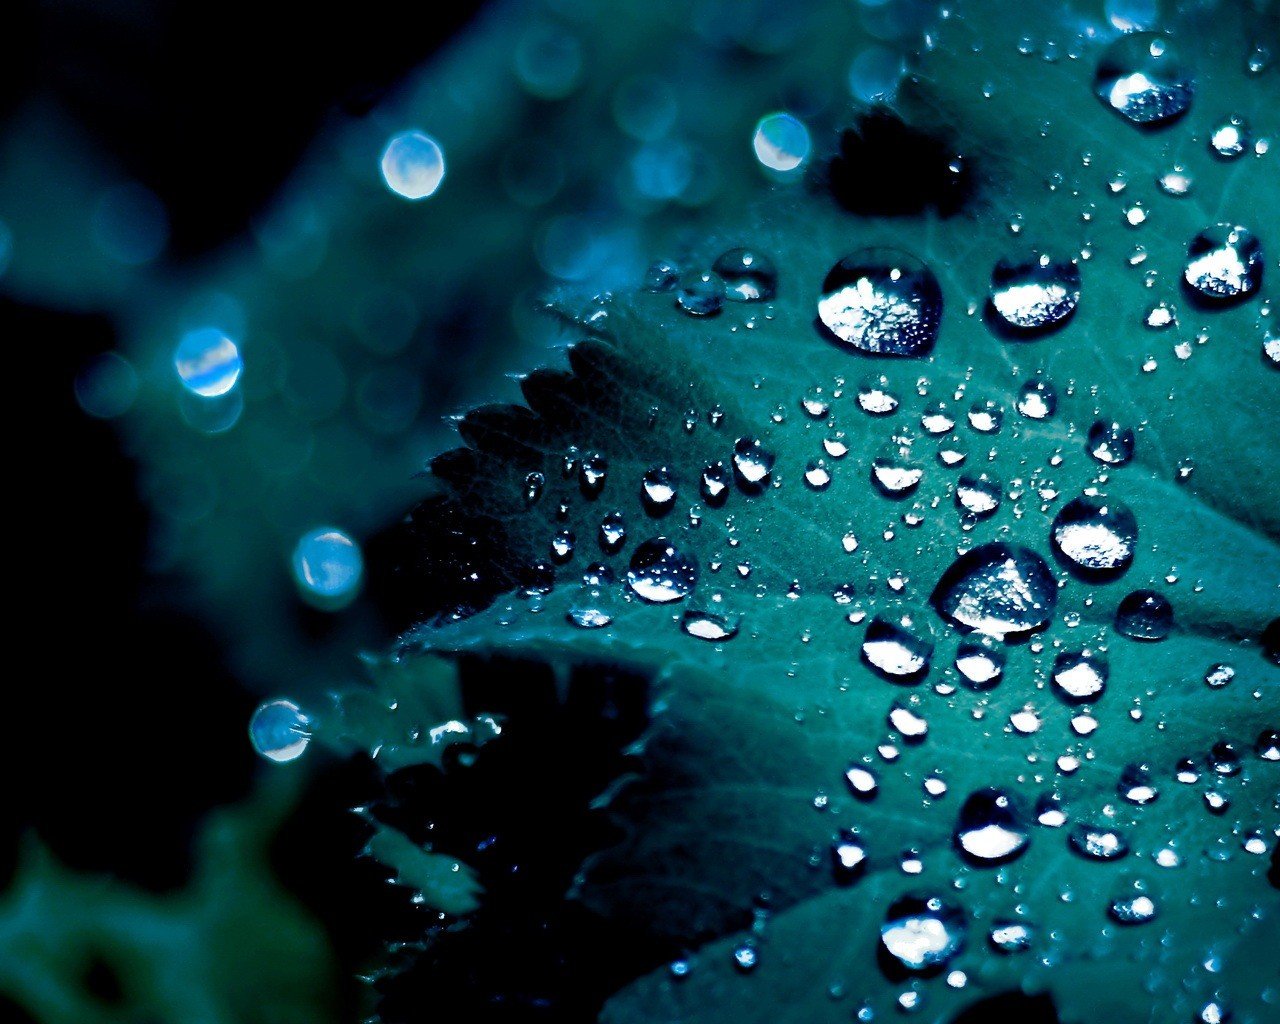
[910,725]
[279,731]
[1037,400]
[589,618]
[1135,910]
[1144,79]
[895,472]
[1036,293]
[1230,138]
[660,573]
[1000,590]
[752,465]
[978,494]
[849,856]
[1224,263]
[700,294]
[413,165]
[715,484]
[1136,785]
[1145,615]
[1110,443]
[876,396]
[1224,758]
[980,663]
[923,932]
[1267,745]
[1098,842]
[658,491]
[936,420]
[208,362]
[882,301]
[817,475]
[986,416]
[748,276]
[592,474]
[863,782]
[709,625]
[613,533]
[990,830]
[896,648]
[661,276]
[746,958]
[327,567]
[1010,937]
[1097,536]
[562,544]
[1079,676]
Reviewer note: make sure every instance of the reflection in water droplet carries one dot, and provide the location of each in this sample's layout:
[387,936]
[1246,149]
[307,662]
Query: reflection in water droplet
[208,362]
[978,494]
[593,471]
[700,294]
[413,165]
[882,301]
[748,275]
[279,731]
[1079,676]
[1037,400]
[1137,910]
[1096,535]
[1098,842]
[752,465]
[896,648]
[990,830]
[1035,293]
[660,573]
[327,567]
[921,933]
[1110,443]
[1144,79]
[1224,262]
[1000,590]
[1145,615]
[876,396]
[709,625]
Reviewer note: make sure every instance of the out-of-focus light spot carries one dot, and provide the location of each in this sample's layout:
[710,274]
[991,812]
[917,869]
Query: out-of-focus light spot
[413,165]
[548,62]
[327,567]
[645,108]
[279,731]
[208,362]
[130,225]
[876,73]
[1133,15]
[211,415]
[781,142]
[388,399]
[532,173]
[107,386]
[662,170]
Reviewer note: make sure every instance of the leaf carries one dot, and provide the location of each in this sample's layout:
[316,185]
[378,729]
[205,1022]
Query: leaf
[741,791]
[232,947]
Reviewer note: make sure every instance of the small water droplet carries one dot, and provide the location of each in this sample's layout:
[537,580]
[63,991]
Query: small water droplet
[709,625]
[1145,615]
[1110,443]
[748,275]
[1079,676]
[1098,842]
[752,465]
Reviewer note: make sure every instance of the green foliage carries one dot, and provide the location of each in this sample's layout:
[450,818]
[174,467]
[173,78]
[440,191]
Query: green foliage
[741,792]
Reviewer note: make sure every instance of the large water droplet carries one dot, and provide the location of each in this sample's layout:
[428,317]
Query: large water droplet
[658,491]
[748,275]
[709,625]
[1096,535]
[660,573]
[1224,263]
[896,648]
[923,932]
[1144,79]
[700,294]
[1145,615]
[882,301]
[1000,590]
[279,731]
[1079,676]
[895,472]
[978,494]
[752,465]
[1036,293]
[990,830]
[980,663]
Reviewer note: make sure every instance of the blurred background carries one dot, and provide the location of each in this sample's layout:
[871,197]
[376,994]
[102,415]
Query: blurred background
[250,262]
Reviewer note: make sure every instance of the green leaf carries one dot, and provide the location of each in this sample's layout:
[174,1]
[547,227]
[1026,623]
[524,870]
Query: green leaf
[741,791]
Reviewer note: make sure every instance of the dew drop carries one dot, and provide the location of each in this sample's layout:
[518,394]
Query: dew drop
[1079,676]
[1145,615]
[990,829]
[748,276]
[1110,443]
[658,491]
[1134,910]
[1037,400]
[1142,77]
[1095,535]
[715,484]
[980,663]
[1098,842]
[327,568]
[413,165]
[882,301]
[923,932]
[752,465]
[1224,263]
[1000,590]
[709,625]
[1230,138]
[1036,293]
[978,494]
[279,731]
[700,295]
[896,648]
[894,471]
[659,573]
